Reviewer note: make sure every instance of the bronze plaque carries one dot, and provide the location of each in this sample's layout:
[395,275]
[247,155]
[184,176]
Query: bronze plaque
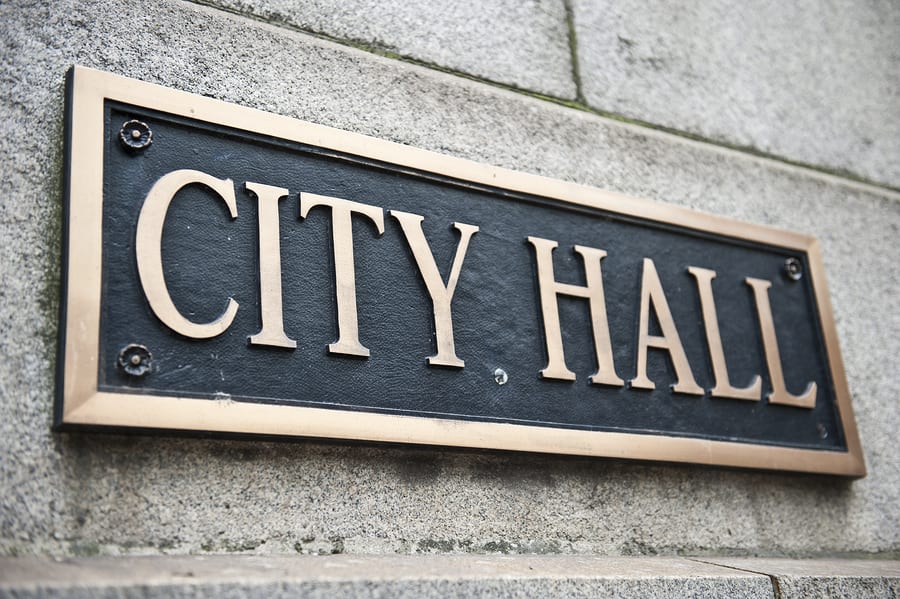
[233,271]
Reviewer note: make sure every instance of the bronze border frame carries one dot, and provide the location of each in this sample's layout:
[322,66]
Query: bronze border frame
[83,404]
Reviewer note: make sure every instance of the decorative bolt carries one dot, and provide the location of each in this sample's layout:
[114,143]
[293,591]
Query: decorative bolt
[823,432]
[135,360]
[135,135]
[793,269]
[500,376]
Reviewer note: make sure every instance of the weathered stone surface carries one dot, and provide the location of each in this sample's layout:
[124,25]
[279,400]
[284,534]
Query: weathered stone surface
[92,493]
[814,82]
[376,576]
[524,44]
[825,577]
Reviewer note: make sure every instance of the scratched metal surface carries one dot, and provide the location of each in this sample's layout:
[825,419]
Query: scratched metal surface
[496,310]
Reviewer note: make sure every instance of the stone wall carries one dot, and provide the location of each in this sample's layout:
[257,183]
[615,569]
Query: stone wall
[785,116]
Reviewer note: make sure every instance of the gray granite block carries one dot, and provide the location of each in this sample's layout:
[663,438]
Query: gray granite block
[523,44]
[814,82]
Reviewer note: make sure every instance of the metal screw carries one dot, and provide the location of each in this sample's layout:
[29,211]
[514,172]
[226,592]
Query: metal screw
[135,135]
[500,376]
[823,432]
[135,360]
[793,269]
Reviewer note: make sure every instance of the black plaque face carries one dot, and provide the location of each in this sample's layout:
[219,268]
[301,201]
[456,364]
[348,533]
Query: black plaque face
[254,201]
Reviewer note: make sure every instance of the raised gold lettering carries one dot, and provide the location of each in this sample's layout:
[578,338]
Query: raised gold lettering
[272,331]
[344,269]
[148,251]
[723,386]
[441,295]
[779,394]
[652,296]
[549,288]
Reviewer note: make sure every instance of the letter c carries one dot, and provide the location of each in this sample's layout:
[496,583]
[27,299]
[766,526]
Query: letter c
[148,251]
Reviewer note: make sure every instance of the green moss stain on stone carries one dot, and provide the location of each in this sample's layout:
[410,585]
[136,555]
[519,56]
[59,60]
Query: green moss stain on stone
[573,52]
[337,545]
[435,546]
[502,546]
[84,549]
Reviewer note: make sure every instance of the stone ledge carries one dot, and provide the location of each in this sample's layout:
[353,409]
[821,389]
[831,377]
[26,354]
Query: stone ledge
[85,494]
[442,575]
[374,576]
[823,577]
